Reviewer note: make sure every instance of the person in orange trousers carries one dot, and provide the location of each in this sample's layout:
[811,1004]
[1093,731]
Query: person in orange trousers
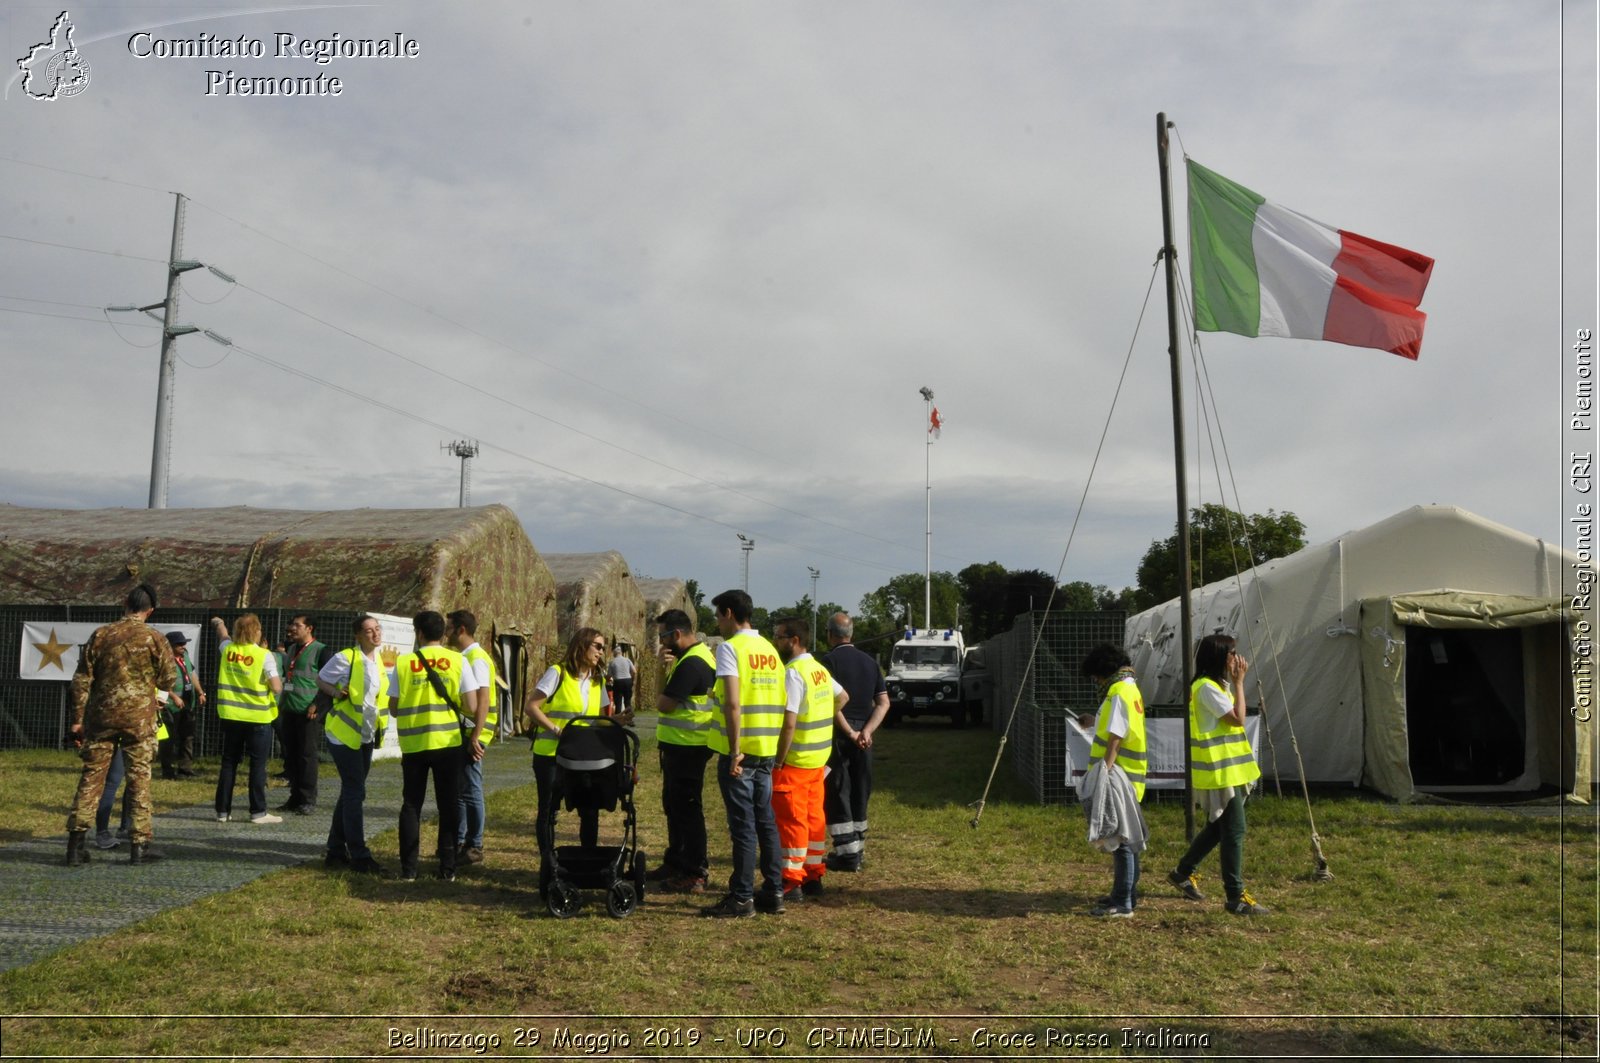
[814,703]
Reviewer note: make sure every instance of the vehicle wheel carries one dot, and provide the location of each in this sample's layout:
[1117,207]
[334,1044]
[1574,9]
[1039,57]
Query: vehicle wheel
[563,900]
[958,716]
[621,900]
[637,872]
[974,713]
[892,718]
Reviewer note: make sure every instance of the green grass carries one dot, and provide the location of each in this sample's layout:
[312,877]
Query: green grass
[1435,915]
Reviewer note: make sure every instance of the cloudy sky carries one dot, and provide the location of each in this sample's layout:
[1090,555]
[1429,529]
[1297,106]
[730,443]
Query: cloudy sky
[682,268]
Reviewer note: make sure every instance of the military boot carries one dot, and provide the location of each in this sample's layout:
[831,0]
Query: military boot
[77,847]
[143,853]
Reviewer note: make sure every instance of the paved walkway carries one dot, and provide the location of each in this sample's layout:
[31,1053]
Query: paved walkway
[45,905]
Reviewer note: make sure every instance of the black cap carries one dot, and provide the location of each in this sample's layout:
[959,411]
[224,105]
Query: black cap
[177,638]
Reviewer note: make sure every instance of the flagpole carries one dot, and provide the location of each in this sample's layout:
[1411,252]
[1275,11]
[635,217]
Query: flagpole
[927,473]
[1185,582]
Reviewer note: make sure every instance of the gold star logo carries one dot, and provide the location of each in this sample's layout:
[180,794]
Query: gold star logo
[51,652]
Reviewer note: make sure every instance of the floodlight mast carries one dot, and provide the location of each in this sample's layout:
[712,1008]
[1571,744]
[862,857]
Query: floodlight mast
[746,544]
[466,450]
[815,575]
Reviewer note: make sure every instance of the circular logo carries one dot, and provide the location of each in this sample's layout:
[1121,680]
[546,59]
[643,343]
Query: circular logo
[67,73]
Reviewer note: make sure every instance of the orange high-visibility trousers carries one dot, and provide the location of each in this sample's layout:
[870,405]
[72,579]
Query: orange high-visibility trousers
[802,823]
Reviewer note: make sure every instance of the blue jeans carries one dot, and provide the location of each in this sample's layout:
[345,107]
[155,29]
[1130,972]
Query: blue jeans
[471,832]
[1124,878]
[238,740]
[108,796]
[751,826]
[347,834]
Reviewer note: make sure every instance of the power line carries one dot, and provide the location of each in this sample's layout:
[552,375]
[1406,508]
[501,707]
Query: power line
[85,250]
[530,459]
[501,398]
[89,176]
[599,385]
[63,317]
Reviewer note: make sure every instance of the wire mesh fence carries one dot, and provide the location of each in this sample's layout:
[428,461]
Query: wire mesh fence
[1043,696]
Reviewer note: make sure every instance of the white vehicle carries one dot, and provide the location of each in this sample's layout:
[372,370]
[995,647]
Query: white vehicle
[925,675]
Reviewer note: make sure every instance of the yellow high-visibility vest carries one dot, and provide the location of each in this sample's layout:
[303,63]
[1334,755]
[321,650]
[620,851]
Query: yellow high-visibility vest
[346,717]
[566,705]
[492,721]
[813,731]
[242,692]
[1221,755]
[424,720]
[761,698]
[1131,755]
[690,723]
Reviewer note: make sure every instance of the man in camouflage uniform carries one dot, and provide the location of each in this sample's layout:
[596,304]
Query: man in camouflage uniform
[124,672]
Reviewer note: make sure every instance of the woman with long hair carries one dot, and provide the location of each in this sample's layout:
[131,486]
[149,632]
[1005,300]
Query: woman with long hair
[571,688]
[246,696]
[1224,771]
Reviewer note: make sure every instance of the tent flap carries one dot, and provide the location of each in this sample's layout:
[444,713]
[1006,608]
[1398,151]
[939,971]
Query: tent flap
[1465,609]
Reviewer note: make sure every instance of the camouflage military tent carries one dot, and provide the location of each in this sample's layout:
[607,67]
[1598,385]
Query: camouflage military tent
[81,563]
[375,560]
[661,595]
[598,591]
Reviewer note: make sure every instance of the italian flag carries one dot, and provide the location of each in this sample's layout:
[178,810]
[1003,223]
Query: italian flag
[1259,269]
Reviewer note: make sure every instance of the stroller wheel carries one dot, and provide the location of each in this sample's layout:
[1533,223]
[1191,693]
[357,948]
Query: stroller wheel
[621,900]
[563,900]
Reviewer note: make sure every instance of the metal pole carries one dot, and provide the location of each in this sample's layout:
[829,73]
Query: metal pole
[815,575]
[466,450]
[927,554]
[747,545]
[160,453]
[1186,646]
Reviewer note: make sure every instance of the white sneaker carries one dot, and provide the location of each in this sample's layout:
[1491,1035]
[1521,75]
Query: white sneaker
[222,817]
[106,840]
[266,817]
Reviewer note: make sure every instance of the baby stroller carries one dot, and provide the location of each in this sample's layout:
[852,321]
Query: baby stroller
[596,759]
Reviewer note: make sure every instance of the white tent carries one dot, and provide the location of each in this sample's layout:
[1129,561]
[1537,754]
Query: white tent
[1427,653]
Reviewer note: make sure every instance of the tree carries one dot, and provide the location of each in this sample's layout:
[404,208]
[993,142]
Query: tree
[1222,543]
[983,589]
[705,617]
[887,607]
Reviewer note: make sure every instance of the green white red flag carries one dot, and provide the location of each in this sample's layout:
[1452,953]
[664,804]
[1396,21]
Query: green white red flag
[1259,269]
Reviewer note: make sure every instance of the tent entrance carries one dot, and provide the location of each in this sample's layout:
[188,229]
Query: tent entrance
[1467,718]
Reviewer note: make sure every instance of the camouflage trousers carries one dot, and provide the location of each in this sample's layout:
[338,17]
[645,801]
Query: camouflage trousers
[97,754]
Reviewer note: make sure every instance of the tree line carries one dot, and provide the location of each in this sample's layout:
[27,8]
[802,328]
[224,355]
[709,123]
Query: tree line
[985,598]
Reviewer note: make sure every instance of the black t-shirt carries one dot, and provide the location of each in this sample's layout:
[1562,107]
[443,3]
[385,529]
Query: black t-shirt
[861,678]
[692,678]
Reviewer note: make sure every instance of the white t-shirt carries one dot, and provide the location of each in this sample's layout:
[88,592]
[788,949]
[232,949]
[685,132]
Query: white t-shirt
[1218,702]
[727,657]
[337,672]
[620,667]
[269,667]
[1117,720]
[479,668]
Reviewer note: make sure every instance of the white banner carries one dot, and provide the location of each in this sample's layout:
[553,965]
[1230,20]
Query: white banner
[1164,741]
[50,648]
[398,637]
